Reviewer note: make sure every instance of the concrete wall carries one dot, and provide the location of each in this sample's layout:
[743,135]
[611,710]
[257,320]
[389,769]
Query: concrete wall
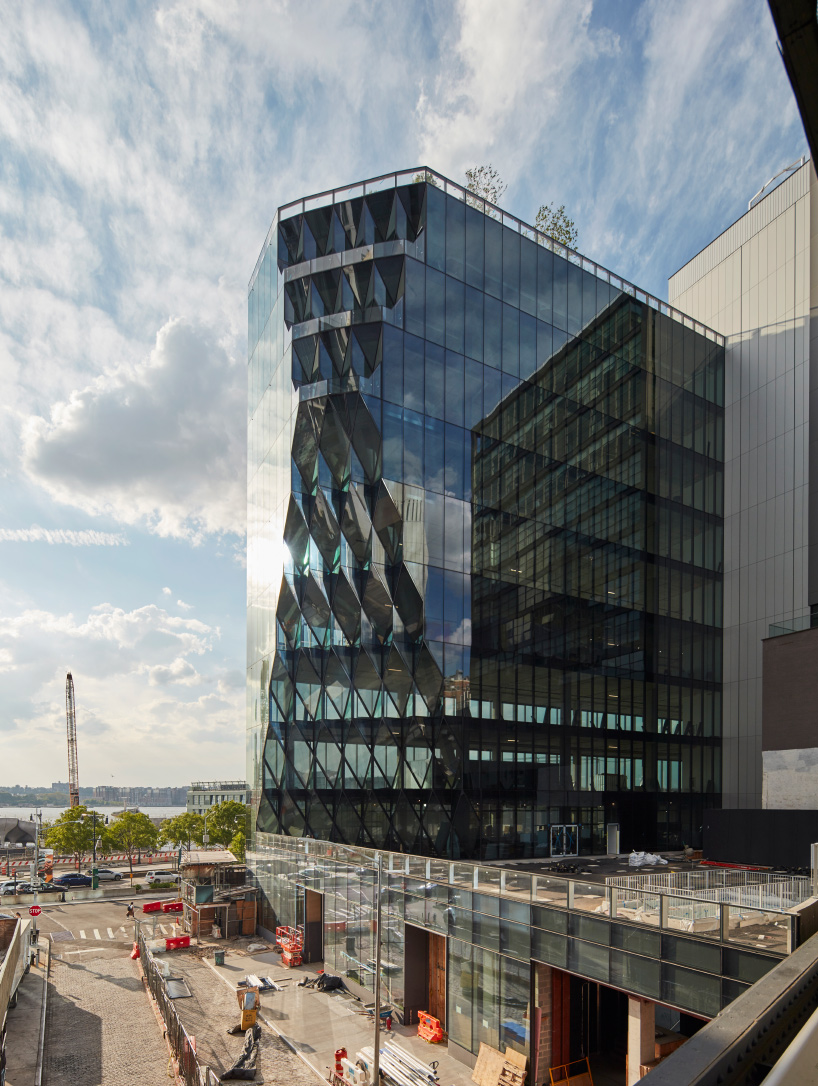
[755,284]
[789,733]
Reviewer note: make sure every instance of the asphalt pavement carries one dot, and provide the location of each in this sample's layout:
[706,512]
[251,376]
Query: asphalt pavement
[82,927]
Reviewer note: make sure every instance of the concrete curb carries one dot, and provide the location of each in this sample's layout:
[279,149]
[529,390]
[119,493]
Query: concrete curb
[38,1077]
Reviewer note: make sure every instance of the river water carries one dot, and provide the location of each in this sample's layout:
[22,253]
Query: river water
[50,813]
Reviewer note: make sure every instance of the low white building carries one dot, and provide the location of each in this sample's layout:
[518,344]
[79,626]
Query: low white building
[202,795]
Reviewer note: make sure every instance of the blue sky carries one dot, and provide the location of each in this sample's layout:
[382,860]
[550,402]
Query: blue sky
[144,148]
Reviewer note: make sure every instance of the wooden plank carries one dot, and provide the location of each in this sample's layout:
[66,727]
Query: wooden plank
[437,977]
[515,1057]
[488,1067]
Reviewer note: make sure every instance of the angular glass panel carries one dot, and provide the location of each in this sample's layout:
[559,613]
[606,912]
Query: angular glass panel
[409,605]
[386,520]
[306,351]
[325,531]
[366,441]
[378,606]
[397,679]
[296,536]
[428,678]
[335,445]
[381,208]
[319,220]
[356,525]
[288,614]
[347,609]
[281,687]
[316,610]
[305,440]
[367,683]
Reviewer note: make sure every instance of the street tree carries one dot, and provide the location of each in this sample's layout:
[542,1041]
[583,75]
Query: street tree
[225,820]
[557,224]
[485,181]
[182,829]
[131,831]
[72,834]
[238,846]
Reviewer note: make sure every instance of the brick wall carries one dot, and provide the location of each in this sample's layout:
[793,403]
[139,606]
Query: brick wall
[544,989]
[7,926]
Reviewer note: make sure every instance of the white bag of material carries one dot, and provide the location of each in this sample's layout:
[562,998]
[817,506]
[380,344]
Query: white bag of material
[645,859]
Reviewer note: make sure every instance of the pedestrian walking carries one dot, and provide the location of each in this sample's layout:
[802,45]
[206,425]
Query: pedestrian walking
[130,910]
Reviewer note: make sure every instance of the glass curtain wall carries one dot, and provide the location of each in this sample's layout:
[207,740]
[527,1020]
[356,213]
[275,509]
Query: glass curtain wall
[484,540]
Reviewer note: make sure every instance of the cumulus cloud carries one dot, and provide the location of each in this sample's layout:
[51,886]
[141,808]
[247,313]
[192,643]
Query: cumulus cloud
[147,682]
[166,592]
[160,444]
[88,538]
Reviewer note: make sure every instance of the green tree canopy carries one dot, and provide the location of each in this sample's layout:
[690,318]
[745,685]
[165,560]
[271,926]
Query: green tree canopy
[183,829]
[225,820]
[557,225]
[485,181]
[238,845]
[72,834]
[131,831]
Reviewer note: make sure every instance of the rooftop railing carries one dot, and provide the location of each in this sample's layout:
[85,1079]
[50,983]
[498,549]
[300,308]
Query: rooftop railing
[765,920]
[452,188]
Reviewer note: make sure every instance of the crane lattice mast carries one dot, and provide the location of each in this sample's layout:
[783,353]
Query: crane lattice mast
[71,724]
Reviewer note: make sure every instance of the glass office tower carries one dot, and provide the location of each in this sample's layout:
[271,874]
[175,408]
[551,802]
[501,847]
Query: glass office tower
[484,536]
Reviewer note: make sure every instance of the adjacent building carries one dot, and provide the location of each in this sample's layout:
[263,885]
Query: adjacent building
[757,284]
[202,795]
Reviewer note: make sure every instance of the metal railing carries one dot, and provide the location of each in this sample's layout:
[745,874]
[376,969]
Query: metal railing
[769,926]
[755,889]
[191,1070]
[452,188]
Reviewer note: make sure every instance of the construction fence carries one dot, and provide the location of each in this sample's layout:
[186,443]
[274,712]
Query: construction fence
[191,1071]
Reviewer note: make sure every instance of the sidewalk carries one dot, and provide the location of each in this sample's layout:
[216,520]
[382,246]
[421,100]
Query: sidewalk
[23,1027]
[314,1024]
[100,1026]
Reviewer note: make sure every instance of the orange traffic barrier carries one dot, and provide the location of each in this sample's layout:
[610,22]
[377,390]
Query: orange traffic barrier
[429,1028]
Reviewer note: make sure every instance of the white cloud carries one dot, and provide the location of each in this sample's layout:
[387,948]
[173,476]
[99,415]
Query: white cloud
[86,538]
[139,694]
[166,592]
[184,606]
[160,444]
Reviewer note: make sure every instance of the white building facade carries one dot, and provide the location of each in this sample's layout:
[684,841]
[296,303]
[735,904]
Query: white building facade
[757,284]
[202,795]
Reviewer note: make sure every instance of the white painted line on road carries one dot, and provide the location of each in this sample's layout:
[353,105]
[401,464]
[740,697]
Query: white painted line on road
[82,935]
[96,933]
[110,933]
[164,931]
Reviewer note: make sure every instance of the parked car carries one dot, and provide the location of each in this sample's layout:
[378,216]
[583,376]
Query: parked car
[24,886]
[105,874]
[73,878]
[162,876]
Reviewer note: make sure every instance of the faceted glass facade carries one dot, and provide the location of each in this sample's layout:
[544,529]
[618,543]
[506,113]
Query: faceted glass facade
[484,537]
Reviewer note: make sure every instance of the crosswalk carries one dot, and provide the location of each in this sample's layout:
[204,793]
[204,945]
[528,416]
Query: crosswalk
[120,933]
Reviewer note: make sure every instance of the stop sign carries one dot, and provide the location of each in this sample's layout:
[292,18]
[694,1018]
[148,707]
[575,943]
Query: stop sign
[34,910]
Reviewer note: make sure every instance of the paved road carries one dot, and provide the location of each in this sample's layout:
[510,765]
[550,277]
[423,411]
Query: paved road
[100,1029]
[75,927]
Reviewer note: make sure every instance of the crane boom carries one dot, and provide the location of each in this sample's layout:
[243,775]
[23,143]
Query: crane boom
[71,724]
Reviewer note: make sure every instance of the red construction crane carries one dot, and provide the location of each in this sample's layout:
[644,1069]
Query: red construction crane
[71,723]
